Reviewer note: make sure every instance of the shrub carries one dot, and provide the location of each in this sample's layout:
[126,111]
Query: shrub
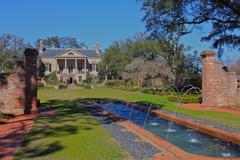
[111,83]
[87,86]
[40,84]
[127,88]
[52,79]
[148,91]
[62,86]
[146,83]
[88,79]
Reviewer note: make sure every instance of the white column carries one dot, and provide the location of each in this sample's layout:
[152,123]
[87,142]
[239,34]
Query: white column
[76,70]
[85,64]
[76,64]
[65,65]
[57,66]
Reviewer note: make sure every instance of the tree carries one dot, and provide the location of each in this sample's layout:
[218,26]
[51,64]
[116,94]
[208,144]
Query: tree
[141,46]
[143,70]
[41,69]
[113,62]
[61,42]
[11,47]
[189,70]
[171,19]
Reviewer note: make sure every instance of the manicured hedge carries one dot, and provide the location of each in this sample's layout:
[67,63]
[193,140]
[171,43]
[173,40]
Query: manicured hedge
[127,88]
[111,83]
[190,98]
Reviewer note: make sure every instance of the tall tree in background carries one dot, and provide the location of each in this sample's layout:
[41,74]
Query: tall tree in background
[11,47]
[113,62]
[61,42]
[141,46]
[146,71]
[171,19]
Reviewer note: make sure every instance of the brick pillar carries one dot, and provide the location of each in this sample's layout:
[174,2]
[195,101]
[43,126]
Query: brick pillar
[31,80]
[208,79]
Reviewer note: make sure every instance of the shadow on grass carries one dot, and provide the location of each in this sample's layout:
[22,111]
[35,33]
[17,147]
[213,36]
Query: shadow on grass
[39,150]
[72,118]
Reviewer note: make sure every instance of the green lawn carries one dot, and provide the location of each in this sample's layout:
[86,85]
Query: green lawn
[71,94]
[75,134]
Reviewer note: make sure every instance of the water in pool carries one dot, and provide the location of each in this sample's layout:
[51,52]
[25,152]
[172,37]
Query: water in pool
[185,138]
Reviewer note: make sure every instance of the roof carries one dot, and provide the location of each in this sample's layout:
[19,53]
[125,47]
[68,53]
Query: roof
[53,52]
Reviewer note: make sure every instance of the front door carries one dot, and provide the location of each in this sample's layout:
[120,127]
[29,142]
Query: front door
[71,80]
[70,67]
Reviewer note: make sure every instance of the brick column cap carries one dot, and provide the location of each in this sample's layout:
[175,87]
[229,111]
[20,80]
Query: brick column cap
[31,52]
[208,53]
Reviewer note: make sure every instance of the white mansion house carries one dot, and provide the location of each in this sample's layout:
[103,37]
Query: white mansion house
[71,64]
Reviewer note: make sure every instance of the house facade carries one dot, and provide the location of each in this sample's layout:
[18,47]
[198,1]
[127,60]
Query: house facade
[71,64]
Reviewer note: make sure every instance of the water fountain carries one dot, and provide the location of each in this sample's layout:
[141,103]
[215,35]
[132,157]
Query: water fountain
[172,88]
[192,138]
[148,111]
[197,91]
[170,128]
[130,115]
[175,90]
[184,87]
[225,152]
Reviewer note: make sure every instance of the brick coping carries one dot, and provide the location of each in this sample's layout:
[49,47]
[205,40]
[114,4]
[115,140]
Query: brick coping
[13,132]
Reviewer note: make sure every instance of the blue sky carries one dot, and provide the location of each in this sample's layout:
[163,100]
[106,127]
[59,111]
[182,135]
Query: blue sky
[89,21]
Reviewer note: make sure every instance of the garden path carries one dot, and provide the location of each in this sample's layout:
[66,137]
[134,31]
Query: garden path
[13,131]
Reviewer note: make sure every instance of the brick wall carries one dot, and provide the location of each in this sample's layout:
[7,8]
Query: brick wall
[219,88]
[18,91]
[12,93]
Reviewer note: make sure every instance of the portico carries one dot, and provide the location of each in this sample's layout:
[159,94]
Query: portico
[71,65]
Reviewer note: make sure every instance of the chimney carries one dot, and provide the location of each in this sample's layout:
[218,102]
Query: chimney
[98,50]
[41,47]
